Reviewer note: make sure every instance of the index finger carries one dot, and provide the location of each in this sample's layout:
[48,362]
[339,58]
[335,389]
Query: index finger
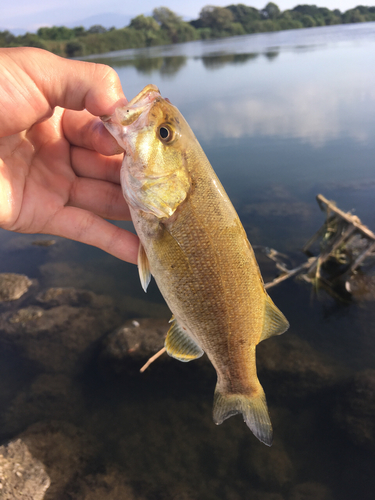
[86,131]
[39,81]
[78,84]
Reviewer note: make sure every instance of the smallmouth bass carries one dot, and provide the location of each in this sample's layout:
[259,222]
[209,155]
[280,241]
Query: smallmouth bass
[195,246]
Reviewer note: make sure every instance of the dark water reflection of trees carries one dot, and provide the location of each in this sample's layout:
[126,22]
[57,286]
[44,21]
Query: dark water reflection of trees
[171,65]
[216,61]
[147,65]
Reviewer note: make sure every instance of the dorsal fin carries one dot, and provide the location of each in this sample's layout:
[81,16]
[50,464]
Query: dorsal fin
[275,323]
[180,345]
[143,268]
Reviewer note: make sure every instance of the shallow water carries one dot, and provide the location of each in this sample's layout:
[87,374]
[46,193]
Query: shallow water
[282,117]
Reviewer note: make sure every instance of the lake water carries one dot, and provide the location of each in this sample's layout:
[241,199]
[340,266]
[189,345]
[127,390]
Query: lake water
[282,117]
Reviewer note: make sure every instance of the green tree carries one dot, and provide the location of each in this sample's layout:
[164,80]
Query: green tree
[30,40]
[216,18]
[217,22]
[307,21]
[271,11]
[146,23]
[243,14]
[165,17]
[173,25]
[6,38]
[79,31]
[150,27]
[74,48]
[97,28]
[359,14]
[55,33]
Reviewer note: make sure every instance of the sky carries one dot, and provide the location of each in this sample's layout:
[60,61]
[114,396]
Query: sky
[30,15]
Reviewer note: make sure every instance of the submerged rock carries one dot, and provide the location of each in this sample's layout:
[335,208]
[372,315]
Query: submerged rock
[13,286]
[355,409]
[298,367]
[21,475]
[108,485]
[26,314]
[50,396]
[60,338]
[73,297]
[135,341]
[271,466]
[310,491]
[65,451]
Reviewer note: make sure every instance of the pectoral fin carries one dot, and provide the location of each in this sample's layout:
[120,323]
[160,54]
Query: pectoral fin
[275,323]
[180,345]
[143,268]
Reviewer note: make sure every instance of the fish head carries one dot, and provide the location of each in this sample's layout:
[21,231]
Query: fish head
[155,137]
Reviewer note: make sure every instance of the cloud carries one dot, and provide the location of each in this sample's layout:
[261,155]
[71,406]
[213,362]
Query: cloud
[313,113]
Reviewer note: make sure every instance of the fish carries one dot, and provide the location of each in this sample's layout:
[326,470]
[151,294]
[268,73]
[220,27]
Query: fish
[193,243]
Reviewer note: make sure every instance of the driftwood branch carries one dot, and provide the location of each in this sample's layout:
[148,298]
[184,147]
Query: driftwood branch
[349,218]
[338,235]
[288,273]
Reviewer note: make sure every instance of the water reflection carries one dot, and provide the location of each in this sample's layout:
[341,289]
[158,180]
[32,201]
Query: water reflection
[218,61]
[148,65]
[315,112]
[272,54]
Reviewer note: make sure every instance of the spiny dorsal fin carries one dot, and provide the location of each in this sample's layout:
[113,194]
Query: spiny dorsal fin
[275,323]
[143,268]
[179,345]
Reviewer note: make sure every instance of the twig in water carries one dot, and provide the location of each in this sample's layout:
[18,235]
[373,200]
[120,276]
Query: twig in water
[152,359]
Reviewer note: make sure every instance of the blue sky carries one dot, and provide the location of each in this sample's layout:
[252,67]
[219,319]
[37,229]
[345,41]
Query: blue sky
[30,15]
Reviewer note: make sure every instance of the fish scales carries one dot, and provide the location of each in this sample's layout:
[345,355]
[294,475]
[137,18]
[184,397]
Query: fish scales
[194,245]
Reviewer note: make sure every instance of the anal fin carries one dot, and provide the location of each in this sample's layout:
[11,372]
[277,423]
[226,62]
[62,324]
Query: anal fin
[180,345]
[275,323]
[143,268]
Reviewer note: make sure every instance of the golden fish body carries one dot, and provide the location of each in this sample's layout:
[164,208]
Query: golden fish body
[193,243]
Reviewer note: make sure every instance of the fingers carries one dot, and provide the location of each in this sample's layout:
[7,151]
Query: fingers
[80,225]
[101,197]
[82,129]
[93,165]
[76,84]
[63,82]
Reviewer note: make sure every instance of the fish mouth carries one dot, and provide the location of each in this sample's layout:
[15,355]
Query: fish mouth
[126,115]
[149,93]
[119,123]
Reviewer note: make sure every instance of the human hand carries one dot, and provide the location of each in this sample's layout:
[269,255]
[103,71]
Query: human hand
[59,171]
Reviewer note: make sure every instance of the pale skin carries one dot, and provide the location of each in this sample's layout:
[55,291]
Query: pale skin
[59,167]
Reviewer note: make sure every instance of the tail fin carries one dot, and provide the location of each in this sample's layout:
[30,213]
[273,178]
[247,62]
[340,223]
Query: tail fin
[253,408]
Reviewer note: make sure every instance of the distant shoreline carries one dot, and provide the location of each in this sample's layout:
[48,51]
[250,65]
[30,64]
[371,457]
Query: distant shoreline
[228,47]
[165,27]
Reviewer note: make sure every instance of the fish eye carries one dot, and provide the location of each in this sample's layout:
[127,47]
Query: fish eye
[165,133]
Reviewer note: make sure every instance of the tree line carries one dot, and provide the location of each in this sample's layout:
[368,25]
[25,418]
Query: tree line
[166,27]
